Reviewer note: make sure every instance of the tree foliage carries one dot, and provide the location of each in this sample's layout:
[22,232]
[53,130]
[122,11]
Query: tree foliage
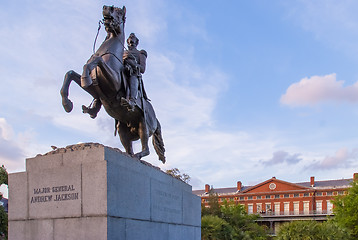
[346,210]
[235,223]
[3,214]
[175,172]
[215,228]
[311,230]
[3,175]
[213,207]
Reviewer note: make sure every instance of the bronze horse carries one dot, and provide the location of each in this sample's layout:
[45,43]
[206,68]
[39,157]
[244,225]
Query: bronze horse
[102,77]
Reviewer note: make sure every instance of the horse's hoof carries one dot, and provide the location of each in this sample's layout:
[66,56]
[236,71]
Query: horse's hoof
[67,105]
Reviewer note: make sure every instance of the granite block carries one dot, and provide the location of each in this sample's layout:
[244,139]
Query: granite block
[116,228]
[94,188]
[191,208]
[85,155]
[55,193]
[18,209]
[42,162]
[39,229]
[166,203]
[17,230]
[88,228]
[181,232]
[128,193]
[145,230]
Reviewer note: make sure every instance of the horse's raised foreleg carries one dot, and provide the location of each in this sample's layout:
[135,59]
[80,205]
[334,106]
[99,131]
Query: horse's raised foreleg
[144,136]
[69,77]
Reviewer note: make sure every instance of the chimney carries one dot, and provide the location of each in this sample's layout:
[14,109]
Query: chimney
[355,176]
[207,188]
[312,181]
[238,186]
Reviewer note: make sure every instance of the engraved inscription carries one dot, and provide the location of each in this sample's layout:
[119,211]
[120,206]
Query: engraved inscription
[54,193]
[166,201]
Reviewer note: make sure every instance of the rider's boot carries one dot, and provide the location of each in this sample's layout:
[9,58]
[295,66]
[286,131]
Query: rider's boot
[130,101]
[92,111]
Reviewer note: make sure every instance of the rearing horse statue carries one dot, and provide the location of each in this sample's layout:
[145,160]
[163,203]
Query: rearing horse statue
[102,78]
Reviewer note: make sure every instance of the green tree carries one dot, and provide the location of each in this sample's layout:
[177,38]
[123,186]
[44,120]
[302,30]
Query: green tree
[311,230]
[346,210]
[213,207]
[3,214]
[242,225]
[175,172]
[3,175]
[215,228]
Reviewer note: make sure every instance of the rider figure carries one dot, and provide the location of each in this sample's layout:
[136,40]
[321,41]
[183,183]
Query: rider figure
[134,62]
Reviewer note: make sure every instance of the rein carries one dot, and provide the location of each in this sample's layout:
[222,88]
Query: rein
[95,40]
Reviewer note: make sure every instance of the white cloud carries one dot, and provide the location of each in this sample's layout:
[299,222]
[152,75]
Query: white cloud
[283,157]
[12,150]
[318,89]
[343,158]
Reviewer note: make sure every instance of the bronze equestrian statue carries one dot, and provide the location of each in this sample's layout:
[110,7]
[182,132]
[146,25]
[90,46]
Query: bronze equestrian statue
[113,77]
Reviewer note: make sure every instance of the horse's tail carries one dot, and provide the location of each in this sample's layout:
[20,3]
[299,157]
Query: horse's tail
[158,142]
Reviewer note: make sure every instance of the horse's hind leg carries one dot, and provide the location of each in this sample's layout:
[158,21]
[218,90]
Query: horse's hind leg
[144,136]
[125,136]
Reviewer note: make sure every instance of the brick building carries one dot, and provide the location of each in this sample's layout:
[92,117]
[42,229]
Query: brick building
[279,201]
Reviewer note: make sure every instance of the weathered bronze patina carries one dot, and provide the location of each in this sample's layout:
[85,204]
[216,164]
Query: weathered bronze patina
[113,76]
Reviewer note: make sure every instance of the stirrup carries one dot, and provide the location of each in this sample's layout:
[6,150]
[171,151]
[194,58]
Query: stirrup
[91,111]
[128,103]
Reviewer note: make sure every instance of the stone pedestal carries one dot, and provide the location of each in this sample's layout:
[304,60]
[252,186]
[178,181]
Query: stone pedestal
[89,191]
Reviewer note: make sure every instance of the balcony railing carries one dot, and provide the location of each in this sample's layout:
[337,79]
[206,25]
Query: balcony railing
[294,213]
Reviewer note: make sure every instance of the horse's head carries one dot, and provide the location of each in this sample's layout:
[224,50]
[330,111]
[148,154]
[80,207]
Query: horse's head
[114,18]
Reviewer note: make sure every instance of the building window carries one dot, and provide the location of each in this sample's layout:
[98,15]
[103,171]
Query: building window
[259,207]
[329,193]
[250,209]
[242,198]
[286,208]
[340,192]
[329,207]
[268,197]
[319,207]
[268,207]
[296,208]
[306,194]
[277,208]
[249,197]
[319,194]
[286,195]
[277,196]
[258,197]
[306,208]
[296,195]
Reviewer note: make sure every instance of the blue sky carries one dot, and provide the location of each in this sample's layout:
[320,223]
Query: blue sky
[244,90]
